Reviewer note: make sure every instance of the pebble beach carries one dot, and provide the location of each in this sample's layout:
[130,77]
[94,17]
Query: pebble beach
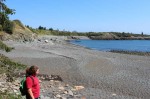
[104,75]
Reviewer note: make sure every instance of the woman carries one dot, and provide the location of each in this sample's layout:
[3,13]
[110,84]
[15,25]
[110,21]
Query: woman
[32,83]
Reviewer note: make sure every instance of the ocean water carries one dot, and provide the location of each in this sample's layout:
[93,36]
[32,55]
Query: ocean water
[107,45]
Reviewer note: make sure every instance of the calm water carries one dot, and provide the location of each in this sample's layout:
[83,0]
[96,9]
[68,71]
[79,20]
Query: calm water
[107,45]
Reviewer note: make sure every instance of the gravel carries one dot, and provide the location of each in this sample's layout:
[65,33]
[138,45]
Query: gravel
[105,75]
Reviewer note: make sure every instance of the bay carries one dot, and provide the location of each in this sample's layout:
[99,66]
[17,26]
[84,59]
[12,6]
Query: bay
[107,45]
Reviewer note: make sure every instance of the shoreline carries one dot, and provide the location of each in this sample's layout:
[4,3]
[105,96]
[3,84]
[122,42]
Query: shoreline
[102,73]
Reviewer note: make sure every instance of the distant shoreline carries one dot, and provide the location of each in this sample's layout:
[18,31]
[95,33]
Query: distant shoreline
[118,38]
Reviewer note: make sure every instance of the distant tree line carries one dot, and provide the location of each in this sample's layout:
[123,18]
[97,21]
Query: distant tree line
[118,34]
[57,32]
[51,31]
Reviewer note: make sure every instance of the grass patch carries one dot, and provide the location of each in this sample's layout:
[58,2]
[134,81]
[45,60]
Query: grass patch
[9,96]
[5,47]
[10,68]
[18,22]
[7,65]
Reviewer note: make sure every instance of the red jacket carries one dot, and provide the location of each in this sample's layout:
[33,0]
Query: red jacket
[34,85]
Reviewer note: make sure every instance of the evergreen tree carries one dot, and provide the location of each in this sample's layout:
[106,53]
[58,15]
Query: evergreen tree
[40,27]
[51,29]
[5,24]
[142,34]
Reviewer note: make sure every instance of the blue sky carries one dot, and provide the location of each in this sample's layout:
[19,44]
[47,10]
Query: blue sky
[84,15]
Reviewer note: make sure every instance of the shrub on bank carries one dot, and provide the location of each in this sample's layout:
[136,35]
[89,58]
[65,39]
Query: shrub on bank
[5,47]
[8,66]
[8,27]
[1,28]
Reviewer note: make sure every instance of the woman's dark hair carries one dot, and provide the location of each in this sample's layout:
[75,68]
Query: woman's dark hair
[31,71]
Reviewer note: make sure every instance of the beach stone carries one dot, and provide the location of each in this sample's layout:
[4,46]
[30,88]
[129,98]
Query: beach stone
[15,91]
[49,86]
[63,98]
[51,82]
[40,81]
[42,90]
[9,83]
[3,89]
[66,85]
[57,83]
[1,84]
[18,93]
[46,41]
[16,83]
[42,78]
[61,88]
[70,92]
[83,97]
[44,97]
[51,43]
[16,88]
[65,92]
[58,96]
[73,89]
[79,87]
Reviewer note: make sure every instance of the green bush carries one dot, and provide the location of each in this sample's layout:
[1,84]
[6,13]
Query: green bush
[12,65]
[8,27]
[5,47]
[9,67]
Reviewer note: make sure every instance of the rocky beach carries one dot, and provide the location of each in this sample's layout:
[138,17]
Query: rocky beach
[101,75]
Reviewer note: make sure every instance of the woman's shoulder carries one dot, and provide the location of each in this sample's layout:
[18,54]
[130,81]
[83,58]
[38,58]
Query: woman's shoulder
[30,77]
